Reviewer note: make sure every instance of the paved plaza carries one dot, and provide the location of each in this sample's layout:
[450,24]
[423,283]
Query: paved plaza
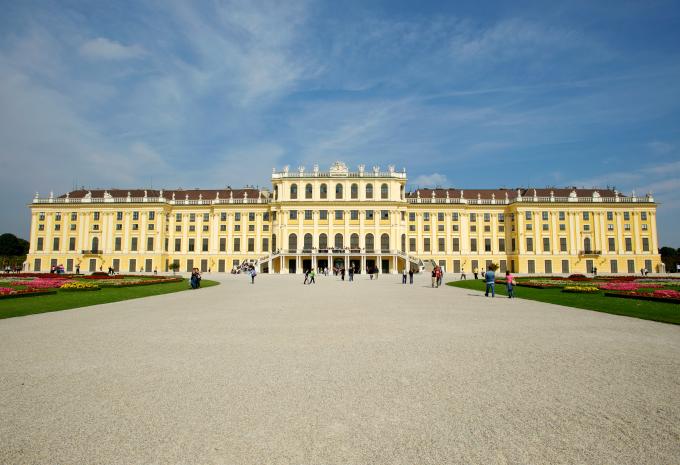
[370,372]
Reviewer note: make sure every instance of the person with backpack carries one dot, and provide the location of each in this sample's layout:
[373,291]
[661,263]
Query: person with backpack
[253,273]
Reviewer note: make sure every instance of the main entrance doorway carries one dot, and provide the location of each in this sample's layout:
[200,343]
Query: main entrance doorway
[292,265]
[306,264]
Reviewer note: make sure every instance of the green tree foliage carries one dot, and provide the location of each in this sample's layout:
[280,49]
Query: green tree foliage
[12,246]
[670,257]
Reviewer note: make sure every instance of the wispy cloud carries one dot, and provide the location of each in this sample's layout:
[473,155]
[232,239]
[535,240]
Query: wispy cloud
[104,49]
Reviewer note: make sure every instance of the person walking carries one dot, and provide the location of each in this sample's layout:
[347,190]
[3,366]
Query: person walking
[434,277]
[490,279]
[306,276]
[483,274]
[462,274]
[351,273]
[440,274]
[595,272]
[312,274]
[475,272]
[510,284]
[403,276]
[342,274]
[253,273]
[410,275]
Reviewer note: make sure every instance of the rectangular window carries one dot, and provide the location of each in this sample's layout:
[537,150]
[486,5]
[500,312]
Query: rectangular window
[338,214]
[455,228]
[178,228]
[204,244]
[546,227]
[644,227]
[412,216]
[192,227]
[206,228]
[527,215]
[119,216]
[487,228]
[441,244]
[548,266]
[119,227]
[251,244]
[440,216]
[530,227]
[629,244]
[610,216]
[151,226]
[293,214]
[546,244]
[611,242]
[265,216]
[370,213]
[561,216]
[223,244]
[426,216]
[614,266]
[178,245]
[384,214]
[354,215]
[55,244]
[501,245]
[563,244]
[456,244]
[586,227]
[323,215]
[610,227]
[223,227]
[152,215]
[645,244]
[118,244]
[265,244]
[133,244]
[530,244]
[544,216]
[41,216]
[251,216]
[237,244]
[308,214]
[412,244]
[473,228]
[71,243]
[223,216]
[586,216]
[167,244]
[643,216]
[135,227]
[149,244]
[487,245]
[426,227]
[192,244]
[57,227]
[501,217]
[513,246]
[473,245]
[74,216]
[473,217]
[531,265]
[426,244]
[206,217]
[626,216]
[454,216]
[135,216]
[96,216]
[178,217]
[563,227]
[440,228]
[487,217]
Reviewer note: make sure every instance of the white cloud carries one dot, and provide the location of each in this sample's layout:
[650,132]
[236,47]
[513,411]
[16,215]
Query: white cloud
[430,180]
[102,48]
[660,147]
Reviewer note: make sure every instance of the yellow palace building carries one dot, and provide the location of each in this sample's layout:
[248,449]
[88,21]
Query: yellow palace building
[366,219]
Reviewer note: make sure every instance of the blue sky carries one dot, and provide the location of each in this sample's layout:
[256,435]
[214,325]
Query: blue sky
[471,95]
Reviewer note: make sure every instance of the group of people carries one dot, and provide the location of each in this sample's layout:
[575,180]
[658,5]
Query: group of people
[490,281]
[410,275]
[58,269]
[12,269]
[437,274]
[195,278]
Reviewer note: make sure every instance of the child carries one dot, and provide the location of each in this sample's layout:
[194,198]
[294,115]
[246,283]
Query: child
[509,282]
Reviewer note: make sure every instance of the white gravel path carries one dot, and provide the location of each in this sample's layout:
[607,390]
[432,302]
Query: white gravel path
[370,372]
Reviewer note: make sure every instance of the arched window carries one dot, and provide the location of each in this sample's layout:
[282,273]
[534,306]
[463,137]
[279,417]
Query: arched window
[276,192]
[323,241]
[403,243]
[338,191]
[385,243]
[292,242]
[308,242]
[354,241]
[369,243]
[95,243]
[293,191]
[323,190]
[338,241]
[369,191]
[354,191]
[273,242]
[384,191]
[308,191]
[586,244]
[401,192]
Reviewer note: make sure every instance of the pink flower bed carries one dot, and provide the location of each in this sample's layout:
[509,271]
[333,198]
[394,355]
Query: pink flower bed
[5,290]
[667,294]
[41,283]
[627,286]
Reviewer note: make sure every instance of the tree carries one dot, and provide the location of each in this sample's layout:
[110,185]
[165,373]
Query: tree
[174,266]
[12,246]
[670,258]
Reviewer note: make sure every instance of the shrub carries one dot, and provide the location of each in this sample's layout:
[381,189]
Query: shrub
[80,286]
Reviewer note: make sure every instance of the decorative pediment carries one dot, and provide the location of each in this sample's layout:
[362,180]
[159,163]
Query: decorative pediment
[338,169]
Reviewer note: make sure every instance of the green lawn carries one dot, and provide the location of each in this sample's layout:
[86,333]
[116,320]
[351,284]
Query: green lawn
[63,300]
[657,311]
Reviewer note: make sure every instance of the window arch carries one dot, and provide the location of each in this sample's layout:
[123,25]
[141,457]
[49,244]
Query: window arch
[369,191]
[586,244]
[385,243]
[354,241]
[338,191]
[384,191]
[338,241]
[308,191]
[323,241]
[354,191]
[307,244]
[323,190]
[370,245]
[95,243]
[293,191]
[292,242]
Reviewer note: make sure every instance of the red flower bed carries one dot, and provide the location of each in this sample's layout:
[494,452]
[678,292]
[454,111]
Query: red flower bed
[41,275]
[660,295]
[26,293]
[627,286]
[144,282]
[102,276]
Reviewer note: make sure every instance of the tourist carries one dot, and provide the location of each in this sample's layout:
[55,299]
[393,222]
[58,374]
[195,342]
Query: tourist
[311,277]
[194,279]
[410,275]
[595,271]
[351,273]
[440,274]
[475,272]
[434,277]
[510,283]
[370,272]
[462,274]
[306,276]
[342,274]
[77,269]
[403,276]
[490,278]
[483,274]
[253,273]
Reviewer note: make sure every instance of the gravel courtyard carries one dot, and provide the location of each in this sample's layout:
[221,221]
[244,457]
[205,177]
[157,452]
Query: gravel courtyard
[370,372]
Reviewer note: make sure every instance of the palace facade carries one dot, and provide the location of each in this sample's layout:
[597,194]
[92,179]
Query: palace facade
[337,217]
